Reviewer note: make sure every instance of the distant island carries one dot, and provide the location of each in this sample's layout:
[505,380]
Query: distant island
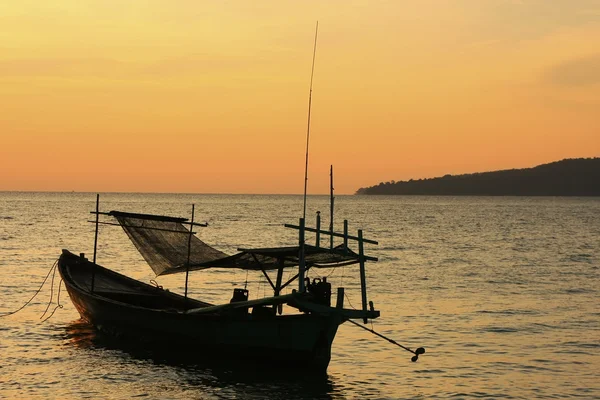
[569,177]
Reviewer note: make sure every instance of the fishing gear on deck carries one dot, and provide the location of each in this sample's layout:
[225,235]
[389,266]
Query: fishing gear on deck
[417,352]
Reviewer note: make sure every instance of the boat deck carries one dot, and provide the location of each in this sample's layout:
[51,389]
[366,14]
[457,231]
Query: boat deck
[117,287]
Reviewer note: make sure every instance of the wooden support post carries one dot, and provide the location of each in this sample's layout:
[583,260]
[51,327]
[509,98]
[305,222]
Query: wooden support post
[187,265]
[95,242]
[340,298]
[279,307]
[363,278]
[302,264]
[318,241]
[346,235]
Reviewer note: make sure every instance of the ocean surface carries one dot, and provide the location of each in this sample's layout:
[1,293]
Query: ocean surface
[503,292]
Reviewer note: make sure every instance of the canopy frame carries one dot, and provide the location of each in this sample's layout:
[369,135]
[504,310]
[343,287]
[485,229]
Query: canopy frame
[303,256]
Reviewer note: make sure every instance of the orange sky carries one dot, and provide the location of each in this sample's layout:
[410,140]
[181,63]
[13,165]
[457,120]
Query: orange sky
[211,97]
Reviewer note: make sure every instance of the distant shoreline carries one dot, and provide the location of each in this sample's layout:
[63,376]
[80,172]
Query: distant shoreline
[566,178]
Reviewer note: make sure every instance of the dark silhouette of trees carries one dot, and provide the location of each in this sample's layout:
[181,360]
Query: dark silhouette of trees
[569,177]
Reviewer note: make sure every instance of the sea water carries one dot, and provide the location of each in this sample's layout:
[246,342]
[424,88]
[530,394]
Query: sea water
[503,292]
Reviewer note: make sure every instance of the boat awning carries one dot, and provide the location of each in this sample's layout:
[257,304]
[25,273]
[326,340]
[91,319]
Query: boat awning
[165,243]
[273,258]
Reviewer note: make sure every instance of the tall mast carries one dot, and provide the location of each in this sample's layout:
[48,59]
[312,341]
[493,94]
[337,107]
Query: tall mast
[312,72]
[331,200]
[189,250]
[302,263]
[95,241]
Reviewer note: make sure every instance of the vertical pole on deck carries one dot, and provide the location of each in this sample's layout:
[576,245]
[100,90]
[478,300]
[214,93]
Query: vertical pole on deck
[345,235]
[277,291]
[331,199]
[187,265]
[301,264]
[318,241]
[280,264]
[95,241]
[363,278]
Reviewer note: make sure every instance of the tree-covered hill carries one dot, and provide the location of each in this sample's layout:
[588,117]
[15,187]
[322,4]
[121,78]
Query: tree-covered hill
[569,177]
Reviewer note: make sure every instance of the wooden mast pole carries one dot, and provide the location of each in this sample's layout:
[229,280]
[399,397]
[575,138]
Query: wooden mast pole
[331,199]
[95,241]
[318,235]
[363,278]
[187,265]
[346,235]
[302,262]
[312,72]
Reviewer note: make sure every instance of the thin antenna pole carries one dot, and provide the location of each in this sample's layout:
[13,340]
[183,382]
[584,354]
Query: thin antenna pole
[187,266]
[312,72]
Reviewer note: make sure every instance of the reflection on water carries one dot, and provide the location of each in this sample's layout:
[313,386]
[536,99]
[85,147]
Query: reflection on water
[81,334]
[237,378]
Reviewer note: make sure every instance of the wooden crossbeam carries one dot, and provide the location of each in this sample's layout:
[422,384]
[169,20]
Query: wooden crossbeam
[183,221]
[328,233]
[144,227]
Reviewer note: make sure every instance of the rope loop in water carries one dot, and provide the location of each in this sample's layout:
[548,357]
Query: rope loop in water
[53,268]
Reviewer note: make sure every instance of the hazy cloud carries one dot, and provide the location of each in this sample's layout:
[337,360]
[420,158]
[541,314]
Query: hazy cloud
[512,21]
[577,72]
[60,67]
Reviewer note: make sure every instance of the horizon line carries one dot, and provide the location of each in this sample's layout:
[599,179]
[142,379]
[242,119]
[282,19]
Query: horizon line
[187,193]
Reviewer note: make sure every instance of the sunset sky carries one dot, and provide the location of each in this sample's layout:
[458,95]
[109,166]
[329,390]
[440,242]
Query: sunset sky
[211,97]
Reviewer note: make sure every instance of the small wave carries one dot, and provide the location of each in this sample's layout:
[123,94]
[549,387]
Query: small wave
[472,345]
[430,371]
[477,395]
[393,248]
[538,368]
[452,260]
[508,312]
[582,257]
[499,329]
[507,282]
[578,291]
[540,325]
[6,217]
[583,345]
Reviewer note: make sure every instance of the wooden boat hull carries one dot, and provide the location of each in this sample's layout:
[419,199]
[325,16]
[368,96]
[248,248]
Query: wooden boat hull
[124,307]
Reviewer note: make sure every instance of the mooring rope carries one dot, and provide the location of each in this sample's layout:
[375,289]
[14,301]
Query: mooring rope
[416,353]
[51,293]
[58,305]
[53,268]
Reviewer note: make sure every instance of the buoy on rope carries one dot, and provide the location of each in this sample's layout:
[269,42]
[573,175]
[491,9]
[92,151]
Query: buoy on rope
[417,352]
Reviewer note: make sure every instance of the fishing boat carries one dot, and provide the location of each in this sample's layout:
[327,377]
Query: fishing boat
[295,329]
